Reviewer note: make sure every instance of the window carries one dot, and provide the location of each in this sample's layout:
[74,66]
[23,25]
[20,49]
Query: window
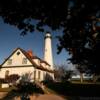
[34,74]
[18,53]
[24,61]
[9,61]
[6,73]
[44,75]
[39,74]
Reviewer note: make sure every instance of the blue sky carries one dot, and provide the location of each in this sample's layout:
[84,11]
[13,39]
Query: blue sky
[10,39]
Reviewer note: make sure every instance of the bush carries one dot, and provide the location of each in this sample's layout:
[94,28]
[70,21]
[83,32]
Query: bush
[12,78]
[2,80]
[28,88]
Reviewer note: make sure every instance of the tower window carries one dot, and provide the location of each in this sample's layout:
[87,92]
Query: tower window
[9,61]
[24,61]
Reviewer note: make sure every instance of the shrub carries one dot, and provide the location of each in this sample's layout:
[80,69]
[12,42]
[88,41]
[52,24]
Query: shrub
[12,78]
[28,88]
[2,80]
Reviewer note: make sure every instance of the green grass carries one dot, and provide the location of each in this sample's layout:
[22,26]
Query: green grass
[84,82]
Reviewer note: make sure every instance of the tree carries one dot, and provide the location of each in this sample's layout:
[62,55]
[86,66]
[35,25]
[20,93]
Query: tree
[82,70]
[59,73]
[82,37]
[62,74]
[21,12]
[79,20]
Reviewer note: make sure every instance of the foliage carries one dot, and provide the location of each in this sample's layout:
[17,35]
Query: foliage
[81,36]
[21,12]
[62,74]
[28,88]
[2,80]
[26,77]
[79,20]
[67,75]
[12,78]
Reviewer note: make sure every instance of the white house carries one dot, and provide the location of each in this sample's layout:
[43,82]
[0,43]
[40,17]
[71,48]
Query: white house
[21,62]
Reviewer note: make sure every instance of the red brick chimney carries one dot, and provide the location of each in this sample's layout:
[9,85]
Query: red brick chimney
[30,53]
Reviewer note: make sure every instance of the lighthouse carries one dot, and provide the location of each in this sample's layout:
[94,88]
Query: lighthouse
[48,57]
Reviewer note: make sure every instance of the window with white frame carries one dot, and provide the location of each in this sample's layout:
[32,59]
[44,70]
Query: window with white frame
[24,61]
[9,62]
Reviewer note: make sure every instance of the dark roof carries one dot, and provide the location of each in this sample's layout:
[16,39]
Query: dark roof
[30,58]
[42,61]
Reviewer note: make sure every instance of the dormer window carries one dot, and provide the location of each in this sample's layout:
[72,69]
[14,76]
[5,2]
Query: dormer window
[24,61]
[9,61]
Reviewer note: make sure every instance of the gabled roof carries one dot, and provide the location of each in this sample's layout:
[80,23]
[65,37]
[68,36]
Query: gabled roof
[10,56]
[42,61]
[30,58]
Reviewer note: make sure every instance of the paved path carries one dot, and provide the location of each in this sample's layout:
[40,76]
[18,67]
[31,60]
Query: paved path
[2,94]
[47,97]
[34,97]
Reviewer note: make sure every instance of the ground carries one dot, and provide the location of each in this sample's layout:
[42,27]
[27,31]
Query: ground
[32,97]
[49,95]
[60,91]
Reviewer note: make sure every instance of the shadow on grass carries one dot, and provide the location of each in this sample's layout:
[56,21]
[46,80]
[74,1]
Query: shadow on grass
[75,91]
[10,95]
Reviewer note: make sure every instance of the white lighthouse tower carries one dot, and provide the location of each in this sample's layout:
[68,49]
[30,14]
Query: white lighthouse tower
[48,57]
[48,49]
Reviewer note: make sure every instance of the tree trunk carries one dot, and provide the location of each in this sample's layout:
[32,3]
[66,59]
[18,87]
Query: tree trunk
[81,77]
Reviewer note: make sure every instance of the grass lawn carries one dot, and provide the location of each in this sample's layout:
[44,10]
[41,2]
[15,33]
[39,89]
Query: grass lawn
[84,82]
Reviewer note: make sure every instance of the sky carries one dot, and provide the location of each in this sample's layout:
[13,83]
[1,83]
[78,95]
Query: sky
[11,39]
